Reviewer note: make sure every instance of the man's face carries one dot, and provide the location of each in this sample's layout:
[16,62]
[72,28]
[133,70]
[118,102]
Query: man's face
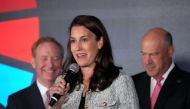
[47,62]
[156,57]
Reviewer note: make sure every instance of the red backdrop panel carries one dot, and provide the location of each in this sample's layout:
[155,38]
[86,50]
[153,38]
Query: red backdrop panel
[16,5]
[17,37]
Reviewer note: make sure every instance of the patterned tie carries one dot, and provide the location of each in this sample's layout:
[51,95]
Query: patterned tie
[156,92]
[47,98]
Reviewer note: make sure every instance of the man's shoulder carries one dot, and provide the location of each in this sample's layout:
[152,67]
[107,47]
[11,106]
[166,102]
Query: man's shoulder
[180,73]
[139,76]
[23,92]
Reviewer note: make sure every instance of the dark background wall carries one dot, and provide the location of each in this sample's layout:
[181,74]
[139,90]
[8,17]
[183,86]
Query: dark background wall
[125,20]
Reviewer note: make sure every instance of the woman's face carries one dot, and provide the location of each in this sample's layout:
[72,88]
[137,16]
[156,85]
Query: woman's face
[84,46]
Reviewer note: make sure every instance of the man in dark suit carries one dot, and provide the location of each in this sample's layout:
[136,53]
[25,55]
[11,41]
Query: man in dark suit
[174,89]
[47,60]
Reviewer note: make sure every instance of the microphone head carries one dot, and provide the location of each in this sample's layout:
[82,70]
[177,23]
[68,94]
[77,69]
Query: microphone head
[74,67]
[69,77]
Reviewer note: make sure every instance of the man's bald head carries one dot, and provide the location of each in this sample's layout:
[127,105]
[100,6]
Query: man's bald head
[157,51]
[159,34]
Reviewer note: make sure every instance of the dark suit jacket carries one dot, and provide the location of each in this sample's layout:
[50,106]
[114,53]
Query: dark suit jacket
[1,106]
[175,92]
[28,98]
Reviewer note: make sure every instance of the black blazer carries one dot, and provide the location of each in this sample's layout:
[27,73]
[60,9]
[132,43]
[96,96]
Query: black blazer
[28,98]
[175,92]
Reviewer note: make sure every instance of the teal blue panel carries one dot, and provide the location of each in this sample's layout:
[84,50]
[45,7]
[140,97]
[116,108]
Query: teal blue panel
[12,80]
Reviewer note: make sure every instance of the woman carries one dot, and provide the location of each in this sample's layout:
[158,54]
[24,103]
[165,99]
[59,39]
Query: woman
[99,83]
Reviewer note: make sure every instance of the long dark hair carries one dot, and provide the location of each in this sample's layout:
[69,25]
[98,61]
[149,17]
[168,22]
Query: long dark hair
[105,71]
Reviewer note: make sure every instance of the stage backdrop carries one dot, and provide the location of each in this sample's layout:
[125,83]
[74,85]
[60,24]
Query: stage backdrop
[23,21]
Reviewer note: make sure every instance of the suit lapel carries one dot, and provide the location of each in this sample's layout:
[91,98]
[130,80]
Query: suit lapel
[168,88]
[35,97]
[147,93]
[143,89]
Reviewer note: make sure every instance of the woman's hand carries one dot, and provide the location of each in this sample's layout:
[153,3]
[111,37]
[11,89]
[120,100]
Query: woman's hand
[60,87]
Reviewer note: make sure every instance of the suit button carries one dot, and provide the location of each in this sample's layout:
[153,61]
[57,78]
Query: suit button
[104,103]
[85,107]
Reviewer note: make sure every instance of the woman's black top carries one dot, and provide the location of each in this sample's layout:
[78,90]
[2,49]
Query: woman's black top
[82,102]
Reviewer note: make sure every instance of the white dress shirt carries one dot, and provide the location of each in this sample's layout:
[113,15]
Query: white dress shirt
[165,75]
[43,91]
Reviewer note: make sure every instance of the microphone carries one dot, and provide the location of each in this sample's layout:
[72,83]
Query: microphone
[73,70]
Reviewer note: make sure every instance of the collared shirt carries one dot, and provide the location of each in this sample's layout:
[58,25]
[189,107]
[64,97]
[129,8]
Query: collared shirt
[43,90]
[165,75]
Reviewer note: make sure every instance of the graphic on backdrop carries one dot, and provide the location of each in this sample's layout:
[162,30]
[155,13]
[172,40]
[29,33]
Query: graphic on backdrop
[17,37]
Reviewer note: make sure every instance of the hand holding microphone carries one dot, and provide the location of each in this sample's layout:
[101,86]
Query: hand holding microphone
[58,92]
[73,70]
